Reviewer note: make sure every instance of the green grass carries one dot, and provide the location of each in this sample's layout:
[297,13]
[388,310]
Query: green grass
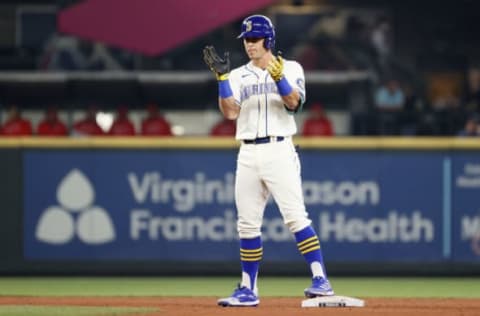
[221,286]
[8,310]
[201,286]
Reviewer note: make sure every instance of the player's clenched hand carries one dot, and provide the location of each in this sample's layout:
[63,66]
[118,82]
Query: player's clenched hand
[275,67]
[219,66]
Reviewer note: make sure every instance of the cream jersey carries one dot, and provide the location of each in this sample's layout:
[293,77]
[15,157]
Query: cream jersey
[262,111]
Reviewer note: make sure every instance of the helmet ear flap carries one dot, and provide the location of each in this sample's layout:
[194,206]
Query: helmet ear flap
[269,43]
[266,43]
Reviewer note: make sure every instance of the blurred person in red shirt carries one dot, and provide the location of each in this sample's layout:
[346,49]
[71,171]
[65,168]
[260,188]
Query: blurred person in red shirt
[224,127]
[122,126]
[16,125]
[88,126]
[317,124]
[51,125]
[155,124]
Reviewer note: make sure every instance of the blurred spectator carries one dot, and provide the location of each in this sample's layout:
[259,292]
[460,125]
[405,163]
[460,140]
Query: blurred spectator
[472,99]
[444,89]
[381,39]
[318,123]
[224,127]
[390,97]
[16,125]
[389,103]
[122,126]
[471,128]
[88,126]
[155,124]
[51,124]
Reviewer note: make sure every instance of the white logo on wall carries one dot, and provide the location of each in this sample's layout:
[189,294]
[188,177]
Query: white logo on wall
[76,214]
[470,178]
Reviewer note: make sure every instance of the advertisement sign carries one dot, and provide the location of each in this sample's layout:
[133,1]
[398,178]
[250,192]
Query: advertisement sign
[466,207]
[179,205]
[376,206]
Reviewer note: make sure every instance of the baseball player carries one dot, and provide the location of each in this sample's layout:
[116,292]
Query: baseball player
[262,96]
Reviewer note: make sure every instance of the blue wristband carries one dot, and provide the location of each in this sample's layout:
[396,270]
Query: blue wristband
[224,90]
[284,88]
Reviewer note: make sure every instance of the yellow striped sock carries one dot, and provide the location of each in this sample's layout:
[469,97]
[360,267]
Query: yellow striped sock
[308,245]
[251,254]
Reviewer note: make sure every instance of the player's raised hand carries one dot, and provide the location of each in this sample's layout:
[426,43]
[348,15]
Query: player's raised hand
[219,66]
[275,67]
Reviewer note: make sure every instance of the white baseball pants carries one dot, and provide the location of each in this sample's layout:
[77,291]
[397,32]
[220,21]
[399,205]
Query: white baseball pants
[263,169]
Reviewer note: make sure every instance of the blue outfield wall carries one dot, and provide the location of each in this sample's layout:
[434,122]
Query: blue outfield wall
[375,205]
[465,208]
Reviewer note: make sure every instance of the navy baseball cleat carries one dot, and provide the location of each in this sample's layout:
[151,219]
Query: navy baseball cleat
[320,287]
[242,296]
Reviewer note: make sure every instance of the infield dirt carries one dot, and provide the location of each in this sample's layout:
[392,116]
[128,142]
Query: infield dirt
[203,306]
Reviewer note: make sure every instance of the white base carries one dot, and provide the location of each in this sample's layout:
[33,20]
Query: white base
[333,301]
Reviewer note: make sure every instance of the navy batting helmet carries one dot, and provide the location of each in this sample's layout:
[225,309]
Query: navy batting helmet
[259,26]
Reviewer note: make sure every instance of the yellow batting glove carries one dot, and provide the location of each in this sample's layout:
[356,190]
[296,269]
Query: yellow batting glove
[275,68]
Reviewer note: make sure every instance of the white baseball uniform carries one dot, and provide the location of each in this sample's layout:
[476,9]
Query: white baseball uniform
[271,167]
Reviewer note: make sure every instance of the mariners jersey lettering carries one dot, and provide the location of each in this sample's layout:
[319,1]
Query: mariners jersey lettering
[257,89]
[262,111]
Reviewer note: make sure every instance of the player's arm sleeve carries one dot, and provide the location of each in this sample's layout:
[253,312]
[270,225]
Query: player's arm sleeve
[296,78]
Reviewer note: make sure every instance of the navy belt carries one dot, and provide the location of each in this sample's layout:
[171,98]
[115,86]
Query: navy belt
[264,140]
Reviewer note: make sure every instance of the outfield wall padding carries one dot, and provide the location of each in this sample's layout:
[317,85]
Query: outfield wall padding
[166,206]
